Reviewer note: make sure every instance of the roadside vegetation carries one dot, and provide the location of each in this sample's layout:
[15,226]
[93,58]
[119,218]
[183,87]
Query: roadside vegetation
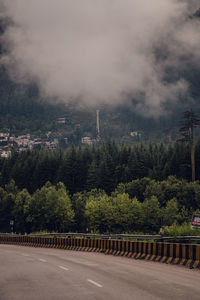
[142,205]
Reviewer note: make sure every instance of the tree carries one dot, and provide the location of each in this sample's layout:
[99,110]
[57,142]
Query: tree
[99,213]
[126,213]
[93,176]
[50,208]
[137,188]
[6,206]
[170,212]
[7,201]
[107,180]
[189,122]
[19,211]
[78,203]
[151,215]
[64,213]
[69,171]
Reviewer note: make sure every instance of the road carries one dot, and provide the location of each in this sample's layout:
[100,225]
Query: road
[47,274]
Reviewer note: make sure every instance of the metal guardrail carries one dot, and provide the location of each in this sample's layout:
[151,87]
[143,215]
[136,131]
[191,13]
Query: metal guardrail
[121,236]
[112,236]
[186,238]
[100,236]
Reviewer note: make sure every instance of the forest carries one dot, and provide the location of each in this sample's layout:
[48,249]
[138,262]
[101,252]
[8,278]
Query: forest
[102,166]
[105,188]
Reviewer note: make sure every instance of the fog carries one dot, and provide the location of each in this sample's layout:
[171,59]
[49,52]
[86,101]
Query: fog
[98,52]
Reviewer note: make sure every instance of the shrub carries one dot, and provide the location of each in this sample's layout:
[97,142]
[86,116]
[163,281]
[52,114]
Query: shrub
[179,230]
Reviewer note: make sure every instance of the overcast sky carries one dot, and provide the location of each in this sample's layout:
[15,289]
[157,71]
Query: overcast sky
[101,51]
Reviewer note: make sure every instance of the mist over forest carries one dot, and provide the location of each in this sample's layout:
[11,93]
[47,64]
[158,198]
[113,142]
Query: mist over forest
[138,63]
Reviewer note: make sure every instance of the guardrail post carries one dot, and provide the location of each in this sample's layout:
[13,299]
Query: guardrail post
[94,245]
[91,245]
[73,243]
[107,246]
[80,244]
[197,257]
[77,244]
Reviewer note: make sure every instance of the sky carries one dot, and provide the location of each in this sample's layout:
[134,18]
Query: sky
[99,52]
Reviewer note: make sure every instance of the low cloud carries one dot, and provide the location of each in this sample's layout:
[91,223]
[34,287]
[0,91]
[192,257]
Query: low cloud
[102,51]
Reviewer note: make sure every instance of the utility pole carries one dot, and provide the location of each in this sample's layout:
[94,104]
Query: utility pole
[97,126]
[189,123]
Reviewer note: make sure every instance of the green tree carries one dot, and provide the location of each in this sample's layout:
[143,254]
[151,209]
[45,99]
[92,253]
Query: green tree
[64,213]
[50,208]
[151,215]
[93,176]
[170,212]
[107,180]
[137,188]
[23,198]
[126,213]
[99,213]
[6,206]
[7,201]
[78,204]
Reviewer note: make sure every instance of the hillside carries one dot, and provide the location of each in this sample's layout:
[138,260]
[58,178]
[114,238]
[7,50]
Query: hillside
[22,110]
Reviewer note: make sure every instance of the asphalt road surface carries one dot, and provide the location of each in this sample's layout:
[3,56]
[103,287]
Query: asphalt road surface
[54,274]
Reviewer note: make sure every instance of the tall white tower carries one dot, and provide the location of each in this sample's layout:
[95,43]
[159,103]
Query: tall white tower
[97,127]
